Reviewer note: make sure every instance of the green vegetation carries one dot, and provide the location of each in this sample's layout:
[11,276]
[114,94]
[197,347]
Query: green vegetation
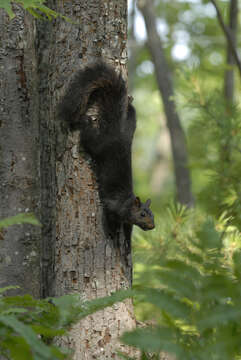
[28,326]
[218,163]
[189,267]
[189,288]
[34,7]
[187,271]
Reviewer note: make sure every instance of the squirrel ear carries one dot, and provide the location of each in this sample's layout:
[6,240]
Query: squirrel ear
[137,201]
[148,202]
[130,99]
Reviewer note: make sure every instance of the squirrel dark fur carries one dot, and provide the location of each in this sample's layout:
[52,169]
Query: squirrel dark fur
[107,139]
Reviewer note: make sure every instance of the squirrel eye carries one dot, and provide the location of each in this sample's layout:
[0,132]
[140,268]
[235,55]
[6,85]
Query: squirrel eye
[143,213]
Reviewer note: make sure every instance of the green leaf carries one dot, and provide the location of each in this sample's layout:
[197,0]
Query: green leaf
[178,282]
[36,14]
[209,237]
[48,12]
[6,288]
[34,7]
[152,339]
[48,332]
[218,316]
[29,336]
[21,218]
[13,311]
[180,266]
[72,309]
[145,339]
[237,263]
[166,302]
[17,347]
[6,5]
[24,301]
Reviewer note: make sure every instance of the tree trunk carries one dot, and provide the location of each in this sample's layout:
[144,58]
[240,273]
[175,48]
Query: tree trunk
[228,32]
[44,170]
[19,151]
[85,260]
[229,74]
[164,81]
[229,85]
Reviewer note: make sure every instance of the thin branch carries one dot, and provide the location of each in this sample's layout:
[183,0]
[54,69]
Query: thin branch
[228,35]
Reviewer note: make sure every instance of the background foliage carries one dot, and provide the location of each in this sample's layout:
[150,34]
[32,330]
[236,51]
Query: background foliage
[189,264]
[189,288]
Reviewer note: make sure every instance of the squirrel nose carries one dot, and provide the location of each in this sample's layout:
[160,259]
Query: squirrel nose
[149,226]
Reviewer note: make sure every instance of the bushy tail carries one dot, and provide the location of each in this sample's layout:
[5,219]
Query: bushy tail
[96,84]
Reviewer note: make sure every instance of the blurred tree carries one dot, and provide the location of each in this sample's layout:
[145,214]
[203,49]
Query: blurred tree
[229,31]
[193,43]
[229,74]
[164,80]
[232,59]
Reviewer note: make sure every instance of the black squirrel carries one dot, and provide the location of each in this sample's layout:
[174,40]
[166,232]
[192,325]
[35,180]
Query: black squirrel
[107,138]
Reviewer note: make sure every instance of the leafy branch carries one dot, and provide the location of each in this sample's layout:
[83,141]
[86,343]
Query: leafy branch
[34,7]
[21,218]
[28,326]
[196,299]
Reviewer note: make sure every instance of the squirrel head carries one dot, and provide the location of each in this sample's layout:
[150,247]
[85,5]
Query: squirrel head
[141,214]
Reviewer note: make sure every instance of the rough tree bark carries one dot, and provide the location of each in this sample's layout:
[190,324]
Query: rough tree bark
[85,261]
[164,81]
[19,152]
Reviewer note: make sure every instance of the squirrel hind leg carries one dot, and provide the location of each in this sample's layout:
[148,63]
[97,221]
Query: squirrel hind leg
[129,124]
